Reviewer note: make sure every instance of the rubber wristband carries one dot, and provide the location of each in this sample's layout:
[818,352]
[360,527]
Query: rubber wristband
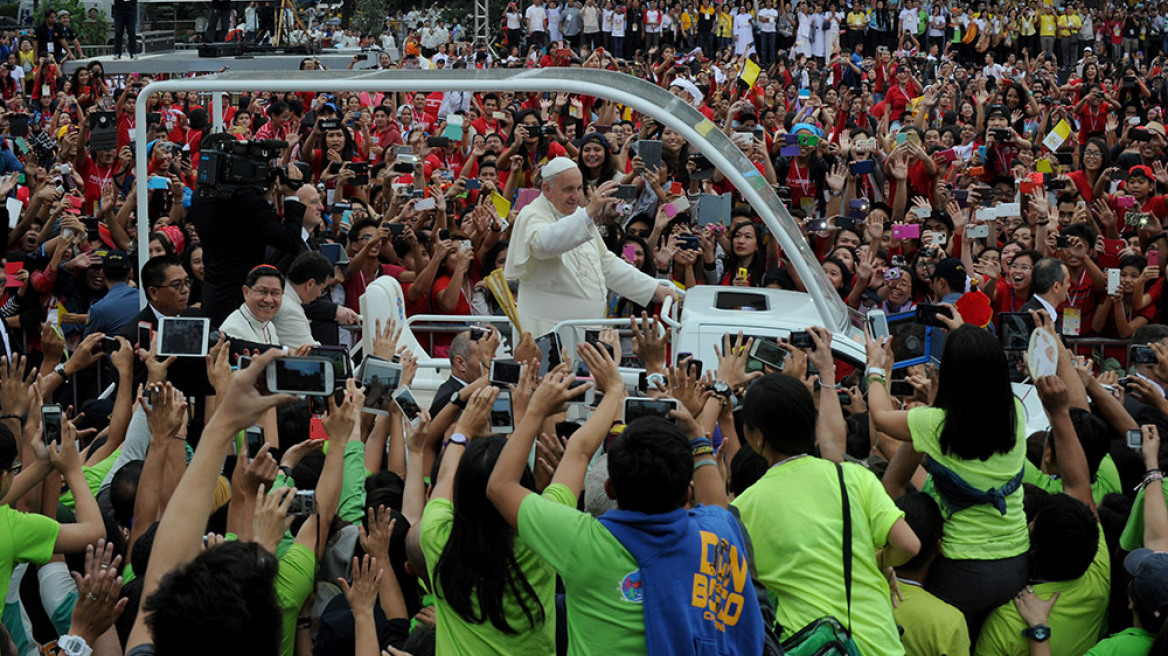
[703,451]
[875,371]
[703,463]
[700,442]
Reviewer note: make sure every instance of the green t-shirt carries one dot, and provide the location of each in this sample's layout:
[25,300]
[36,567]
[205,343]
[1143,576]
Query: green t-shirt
[1106,479]
[1129,642]
[1076,621]
[93,477]
[794,516]
[1133,533]
[931,626]
[294,581]
[24,538]
[605,612]
[457,635]
[978,532]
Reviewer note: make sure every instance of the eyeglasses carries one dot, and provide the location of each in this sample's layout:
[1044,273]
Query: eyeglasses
[177,285]
[1020,267]
[1092,154]
[15,468]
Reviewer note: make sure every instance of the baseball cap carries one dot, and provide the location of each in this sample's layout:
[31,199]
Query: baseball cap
[1157,128]
[115,262]
[952,271]
[1143,170]
[1149,587]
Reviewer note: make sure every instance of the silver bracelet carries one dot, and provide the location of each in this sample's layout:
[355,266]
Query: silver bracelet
[830,387]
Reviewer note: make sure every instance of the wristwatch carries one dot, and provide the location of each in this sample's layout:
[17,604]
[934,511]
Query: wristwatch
[652,379]
[1037,633]
[721,388]
[60,370]
[72,645]
[456,400]
[457,438]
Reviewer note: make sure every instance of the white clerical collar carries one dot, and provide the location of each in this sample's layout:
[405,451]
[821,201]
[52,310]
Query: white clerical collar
[259,326]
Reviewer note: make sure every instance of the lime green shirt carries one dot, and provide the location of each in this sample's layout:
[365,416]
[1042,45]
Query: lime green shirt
[294,581]
[24,538]
[1125,643]
[931,626]
[1133,533]
[456,634]
[93,477]
[1106,479]
[794,515]
[978,532]
[605,618]
[1076,621]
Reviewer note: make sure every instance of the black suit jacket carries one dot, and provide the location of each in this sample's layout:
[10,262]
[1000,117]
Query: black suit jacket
[187,374]
[442,396]
[1035,304]
[235,233]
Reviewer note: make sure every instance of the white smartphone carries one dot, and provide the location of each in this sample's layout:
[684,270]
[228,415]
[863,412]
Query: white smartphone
[301,376]
[183,336]
[877,324]
[408,404]
[981,231]
[379,379]
[502,419]
[638,407]
[505,372]
[1112,282]
[51,417]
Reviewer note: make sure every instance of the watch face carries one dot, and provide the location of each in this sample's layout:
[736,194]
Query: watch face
[1041,633]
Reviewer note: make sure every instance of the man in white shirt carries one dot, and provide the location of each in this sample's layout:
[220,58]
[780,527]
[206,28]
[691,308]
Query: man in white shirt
[561,262]
[768,18]
[309,275]
[536,17]
[909,18]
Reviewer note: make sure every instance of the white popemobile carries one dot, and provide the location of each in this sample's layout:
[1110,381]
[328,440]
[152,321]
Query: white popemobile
[707,312]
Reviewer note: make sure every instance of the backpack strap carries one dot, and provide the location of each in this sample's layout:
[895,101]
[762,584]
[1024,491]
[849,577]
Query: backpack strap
[847,550]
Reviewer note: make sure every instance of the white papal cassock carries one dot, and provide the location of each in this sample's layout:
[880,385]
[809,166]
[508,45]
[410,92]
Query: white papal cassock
[564,269]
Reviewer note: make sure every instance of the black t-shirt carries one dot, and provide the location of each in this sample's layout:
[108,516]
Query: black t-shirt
[45,35]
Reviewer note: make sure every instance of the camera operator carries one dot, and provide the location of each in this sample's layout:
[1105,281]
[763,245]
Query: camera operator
[237,229]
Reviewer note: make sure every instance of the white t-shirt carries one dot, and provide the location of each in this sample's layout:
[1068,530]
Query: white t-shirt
[909,19]
[618,24]
[536,19]
[767,19]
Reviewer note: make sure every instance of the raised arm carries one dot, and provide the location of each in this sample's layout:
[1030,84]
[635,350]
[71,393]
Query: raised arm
[179,536]
[504,488]
[1072,462]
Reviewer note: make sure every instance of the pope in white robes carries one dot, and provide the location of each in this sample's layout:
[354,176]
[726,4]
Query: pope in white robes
[562,265]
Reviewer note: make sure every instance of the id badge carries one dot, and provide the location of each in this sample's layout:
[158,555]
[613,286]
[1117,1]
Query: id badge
[45,90]
[808,205]
[1072,322]
[51,47]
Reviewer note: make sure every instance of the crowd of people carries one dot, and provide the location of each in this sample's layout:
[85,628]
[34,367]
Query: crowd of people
[969,168]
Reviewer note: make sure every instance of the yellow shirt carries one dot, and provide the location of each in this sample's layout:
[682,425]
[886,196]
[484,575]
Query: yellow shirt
[931,626]
[725,25]
[1046,24]
[803,567]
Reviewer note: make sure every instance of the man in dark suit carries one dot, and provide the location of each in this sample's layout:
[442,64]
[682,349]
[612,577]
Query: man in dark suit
[465,368]
[235,233]
[168,288]
[281,258]
[1048,288]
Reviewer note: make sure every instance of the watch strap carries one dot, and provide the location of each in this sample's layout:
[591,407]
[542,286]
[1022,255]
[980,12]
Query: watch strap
[456,399]
[457,438]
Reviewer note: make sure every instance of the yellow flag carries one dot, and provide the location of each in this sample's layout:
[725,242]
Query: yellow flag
[502,206]
[1043,166]
[750,72]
